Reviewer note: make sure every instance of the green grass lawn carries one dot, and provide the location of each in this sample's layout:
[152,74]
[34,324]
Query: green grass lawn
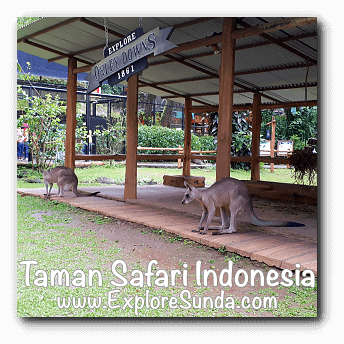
[145,175]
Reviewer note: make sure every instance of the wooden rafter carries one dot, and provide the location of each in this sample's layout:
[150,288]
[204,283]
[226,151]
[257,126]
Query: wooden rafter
[48,29]
[248,46]
[260,89]
[54,51]
[281,44]
[115,33]
[245,72]
[271,27]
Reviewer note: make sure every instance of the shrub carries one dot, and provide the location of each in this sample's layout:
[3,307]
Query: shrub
[157,136]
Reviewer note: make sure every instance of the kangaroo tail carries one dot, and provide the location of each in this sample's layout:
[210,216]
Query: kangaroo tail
[270,223]
[274,223]
[78,194]
[87,195]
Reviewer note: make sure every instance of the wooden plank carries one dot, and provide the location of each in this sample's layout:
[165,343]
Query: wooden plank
[267,159]
[71,114]
[224,136]
[288,105]
[141,157]
[271,27]
[256,126]
[99,157]
[130,188]
[187,137]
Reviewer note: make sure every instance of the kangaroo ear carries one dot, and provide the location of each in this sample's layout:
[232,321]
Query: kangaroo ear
[187,185]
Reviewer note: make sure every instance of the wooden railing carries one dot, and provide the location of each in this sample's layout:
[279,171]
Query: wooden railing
[179,156]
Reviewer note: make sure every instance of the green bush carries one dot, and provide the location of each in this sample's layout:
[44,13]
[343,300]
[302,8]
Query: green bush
[162,137]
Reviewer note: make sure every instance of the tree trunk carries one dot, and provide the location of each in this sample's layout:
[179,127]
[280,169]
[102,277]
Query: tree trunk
[167,114]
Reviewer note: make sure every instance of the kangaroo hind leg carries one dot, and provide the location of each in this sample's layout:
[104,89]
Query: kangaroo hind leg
[232,224]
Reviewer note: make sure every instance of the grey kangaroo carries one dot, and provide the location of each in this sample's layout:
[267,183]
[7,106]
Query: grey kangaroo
[65,178]
[232,193]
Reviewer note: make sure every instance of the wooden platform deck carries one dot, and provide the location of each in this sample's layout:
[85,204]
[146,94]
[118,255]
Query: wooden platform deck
[273,250]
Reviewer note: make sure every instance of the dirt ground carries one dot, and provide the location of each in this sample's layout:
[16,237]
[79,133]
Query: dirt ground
[141,244]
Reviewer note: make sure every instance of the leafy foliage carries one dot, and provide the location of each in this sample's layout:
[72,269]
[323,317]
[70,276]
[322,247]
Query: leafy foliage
[46,132]
[162,137]
[112,140]
[298,124]
[241,136]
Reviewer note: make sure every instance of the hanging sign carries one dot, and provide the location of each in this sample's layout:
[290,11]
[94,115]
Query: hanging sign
[119,64]
[134,68]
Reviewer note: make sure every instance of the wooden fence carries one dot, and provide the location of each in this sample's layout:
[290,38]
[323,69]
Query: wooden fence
[178,156]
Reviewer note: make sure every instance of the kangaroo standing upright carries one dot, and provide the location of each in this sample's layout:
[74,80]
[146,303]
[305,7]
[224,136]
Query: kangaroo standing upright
[232,193]
[65,178]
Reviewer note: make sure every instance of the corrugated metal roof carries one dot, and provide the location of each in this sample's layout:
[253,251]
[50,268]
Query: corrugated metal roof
[286,64]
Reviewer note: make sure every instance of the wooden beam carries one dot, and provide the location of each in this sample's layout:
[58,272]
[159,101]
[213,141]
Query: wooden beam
[188,64]
[187,137]
[224,136]
[85,69]
[168,82]
[258,90]
[210,108]
[71,114]
[118,157]
[215,108]
[288,105]
[198,43]
[130,188]
[100,157]
[271,27]
[203,94]
[267,159]
[256,125]
[101,46]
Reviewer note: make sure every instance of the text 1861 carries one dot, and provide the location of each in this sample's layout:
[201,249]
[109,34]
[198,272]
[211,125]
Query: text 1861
[125,72]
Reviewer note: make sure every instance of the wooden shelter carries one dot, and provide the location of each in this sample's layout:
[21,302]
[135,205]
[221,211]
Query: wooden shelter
[219,64]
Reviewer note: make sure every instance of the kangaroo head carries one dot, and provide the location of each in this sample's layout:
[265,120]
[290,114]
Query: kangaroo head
[190,193]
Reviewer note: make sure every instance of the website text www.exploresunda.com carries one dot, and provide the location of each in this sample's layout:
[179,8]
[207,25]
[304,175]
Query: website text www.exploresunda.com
[161,278]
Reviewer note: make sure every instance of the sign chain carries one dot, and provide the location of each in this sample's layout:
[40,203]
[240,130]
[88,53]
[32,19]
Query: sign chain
[106,36]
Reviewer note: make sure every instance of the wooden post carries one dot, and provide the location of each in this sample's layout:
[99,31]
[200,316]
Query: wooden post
[187,138]
[224,135]
[130,188]
[71,114]
[180,160]
[273,136]
[256,125]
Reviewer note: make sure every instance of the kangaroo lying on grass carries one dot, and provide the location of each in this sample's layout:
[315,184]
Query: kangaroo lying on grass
[65,178]
[232,193]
